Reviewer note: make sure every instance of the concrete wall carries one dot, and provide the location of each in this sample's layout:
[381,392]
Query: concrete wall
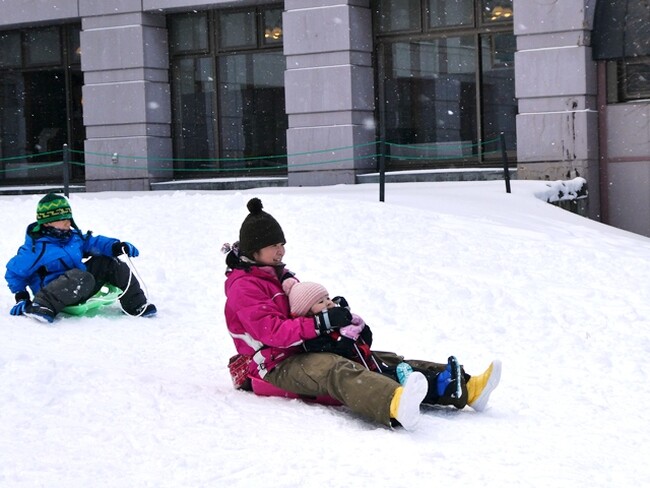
[329,90]
[628,166]
[20,13]
[127,105]
[555,83]
[188,5]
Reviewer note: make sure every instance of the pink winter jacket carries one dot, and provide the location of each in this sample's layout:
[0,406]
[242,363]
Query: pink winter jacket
[258,319]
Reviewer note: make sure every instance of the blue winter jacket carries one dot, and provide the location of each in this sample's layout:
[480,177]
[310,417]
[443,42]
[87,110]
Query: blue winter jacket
[42,259]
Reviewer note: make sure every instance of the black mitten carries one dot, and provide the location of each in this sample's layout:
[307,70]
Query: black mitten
[286,275]
[22,302]
[366,335]
[326,343]
[119,248]
[21,295]
[341,302]
[332,319]
[344,347]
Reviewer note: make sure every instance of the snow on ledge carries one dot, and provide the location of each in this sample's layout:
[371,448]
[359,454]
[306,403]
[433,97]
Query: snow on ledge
[559,190]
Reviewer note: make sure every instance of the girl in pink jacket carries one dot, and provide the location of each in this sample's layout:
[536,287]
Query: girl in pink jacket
[270,339]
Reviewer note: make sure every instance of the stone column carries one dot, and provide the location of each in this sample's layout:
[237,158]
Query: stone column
[126,95]
[329,90]
[555,83]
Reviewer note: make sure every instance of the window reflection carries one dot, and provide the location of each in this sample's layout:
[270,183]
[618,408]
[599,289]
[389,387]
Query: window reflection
[251,101]
[228,103]
[272,26]
[497,10]
[438,104]
[237,29]
[194,123]
[430,96]
[188,33]
[43,46]
[10,50]
[497,89]
[444,13]
[402,15]
[40,102]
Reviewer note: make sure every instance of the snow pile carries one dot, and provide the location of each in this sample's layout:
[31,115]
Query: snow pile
[438,269]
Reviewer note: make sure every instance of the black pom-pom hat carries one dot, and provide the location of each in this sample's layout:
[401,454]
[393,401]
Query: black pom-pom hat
[258,230]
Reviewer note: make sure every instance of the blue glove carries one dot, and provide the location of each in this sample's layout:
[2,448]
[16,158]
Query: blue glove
[130,250]
[19,308]
[125,248]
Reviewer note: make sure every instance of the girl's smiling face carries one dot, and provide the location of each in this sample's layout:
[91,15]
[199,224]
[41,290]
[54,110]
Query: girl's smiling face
[270,255]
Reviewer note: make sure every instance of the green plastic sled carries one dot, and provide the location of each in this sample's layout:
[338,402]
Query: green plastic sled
[105,296]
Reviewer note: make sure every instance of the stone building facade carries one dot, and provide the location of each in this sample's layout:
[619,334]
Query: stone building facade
[322,91]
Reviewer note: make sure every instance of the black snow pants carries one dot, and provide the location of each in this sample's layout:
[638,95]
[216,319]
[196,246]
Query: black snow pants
[76,286]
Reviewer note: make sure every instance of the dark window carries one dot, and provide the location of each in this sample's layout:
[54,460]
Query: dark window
[40,103]
[430,96]
[396,16]
[620,37]
[188,33]
[445,93]
[228,101]
[445,13]
[237,29]
[628,79]
[43,46]
[10,50]
[636,77]
[251,100]
[194,125]
[499,106]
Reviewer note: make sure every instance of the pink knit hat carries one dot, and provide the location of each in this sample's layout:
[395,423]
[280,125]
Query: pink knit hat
[303,295]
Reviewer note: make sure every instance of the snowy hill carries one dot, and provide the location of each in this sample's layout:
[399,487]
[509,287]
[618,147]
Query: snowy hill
[437,269]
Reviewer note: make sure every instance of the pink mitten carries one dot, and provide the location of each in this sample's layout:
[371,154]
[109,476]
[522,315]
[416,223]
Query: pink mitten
[353,330]
[287,284]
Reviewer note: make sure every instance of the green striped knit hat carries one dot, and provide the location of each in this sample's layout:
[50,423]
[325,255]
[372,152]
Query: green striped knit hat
[52,207]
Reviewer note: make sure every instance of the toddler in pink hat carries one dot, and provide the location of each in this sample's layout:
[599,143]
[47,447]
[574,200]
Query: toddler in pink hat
[307,298]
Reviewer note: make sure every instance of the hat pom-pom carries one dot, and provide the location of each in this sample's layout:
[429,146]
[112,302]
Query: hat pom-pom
[254,205]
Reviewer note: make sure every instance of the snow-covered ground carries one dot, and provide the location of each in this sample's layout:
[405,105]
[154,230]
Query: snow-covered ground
[437,269]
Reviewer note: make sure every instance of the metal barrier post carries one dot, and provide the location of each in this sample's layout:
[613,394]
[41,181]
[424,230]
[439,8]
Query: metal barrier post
[504,157]
[382,170]
[66,171]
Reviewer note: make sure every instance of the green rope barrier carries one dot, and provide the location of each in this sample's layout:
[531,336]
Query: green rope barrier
[221,160]
[446,145]
[28,156]
[441,158]
[32,167]
[36,166]
[212,170]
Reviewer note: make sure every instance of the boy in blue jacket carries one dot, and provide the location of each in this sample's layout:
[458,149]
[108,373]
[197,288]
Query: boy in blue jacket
[62,266]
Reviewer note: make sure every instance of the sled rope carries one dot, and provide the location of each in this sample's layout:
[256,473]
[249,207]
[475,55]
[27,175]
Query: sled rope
[134,271]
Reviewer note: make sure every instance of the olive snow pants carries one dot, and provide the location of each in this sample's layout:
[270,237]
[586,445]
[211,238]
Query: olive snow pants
[76,286]
[365,392]
[322,373]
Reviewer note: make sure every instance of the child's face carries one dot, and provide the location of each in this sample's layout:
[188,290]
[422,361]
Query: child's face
[322,304]
[270,255]
[59,224]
